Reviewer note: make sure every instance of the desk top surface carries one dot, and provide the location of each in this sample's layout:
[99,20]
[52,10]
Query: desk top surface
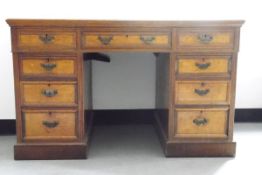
[115,23]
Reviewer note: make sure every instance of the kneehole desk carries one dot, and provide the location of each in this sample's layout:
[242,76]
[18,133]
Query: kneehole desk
[195,83]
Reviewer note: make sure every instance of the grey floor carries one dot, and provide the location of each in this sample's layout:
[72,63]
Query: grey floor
[135,149]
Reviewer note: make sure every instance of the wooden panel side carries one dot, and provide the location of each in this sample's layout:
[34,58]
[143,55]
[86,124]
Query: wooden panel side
[162,90]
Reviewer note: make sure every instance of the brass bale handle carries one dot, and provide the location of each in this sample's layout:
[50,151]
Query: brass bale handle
[46,39]
[202,92]
[200,121]
[203,65]
[205,38]
[48,66]
[147,39]
[105,39]
[50,124]
[49,92]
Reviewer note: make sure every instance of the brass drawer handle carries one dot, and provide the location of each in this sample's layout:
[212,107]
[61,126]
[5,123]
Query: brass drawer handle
[46,39]
[105,39]
[203,65]
[48,66]
[147,39]
[50,124]
[49,92]
[202,92]
[200,121]
[205,38]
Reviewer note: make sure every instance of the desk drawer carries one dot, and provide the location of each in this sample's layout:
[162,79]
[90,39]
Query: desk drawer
[202,92]
[30,40]
[203,64]
[206,123]
[48,66]
[205,39]
[126,40]
[49,125]
[49,93]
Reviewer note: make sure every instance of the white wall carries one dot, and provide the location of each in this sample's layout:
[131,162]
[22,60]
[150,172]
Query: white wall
[127,82]
[249,84]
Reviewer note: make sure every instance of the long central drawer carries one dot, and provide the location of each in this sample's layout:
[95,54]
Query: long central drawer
[126,40]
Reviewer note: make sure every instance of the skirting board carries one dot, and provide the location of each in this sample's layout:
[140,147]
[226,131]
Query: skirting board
[50,152]
[134,116]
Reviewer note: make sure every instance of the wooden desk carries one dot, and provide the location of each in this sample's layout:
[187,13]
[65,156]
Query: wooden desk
[195,90]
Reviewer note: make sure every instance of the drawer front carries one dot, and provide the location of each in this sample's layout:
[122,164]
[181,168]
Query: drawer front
[206,123]
[48,93]
[45,66]
[203,64]
[202,92]
[49,40]
[49,125]
[126,40]
[205,39]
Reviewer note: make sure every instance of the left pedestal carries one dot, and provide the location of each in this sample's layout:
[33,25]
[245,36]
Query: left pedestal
[49,90]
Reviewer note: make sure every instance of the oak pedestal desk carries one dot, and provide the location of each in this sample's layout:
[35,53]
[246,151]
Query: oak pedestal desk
[195,83]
